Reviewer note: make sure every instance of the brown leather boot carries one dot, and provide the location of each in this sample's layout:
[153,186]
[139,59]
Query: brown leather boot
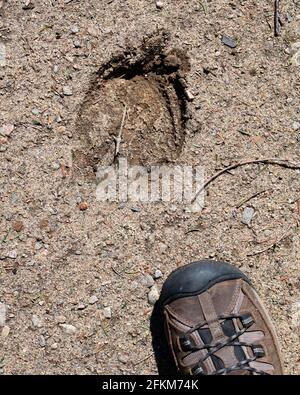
[216,324]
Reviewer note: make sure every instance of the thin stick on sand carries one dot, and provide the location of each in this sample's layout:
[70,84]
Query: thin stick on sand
[274,162]
[118,139]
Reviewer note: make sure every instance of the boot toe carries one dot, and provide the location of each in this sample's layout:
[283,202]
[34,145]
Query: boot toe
[198,277]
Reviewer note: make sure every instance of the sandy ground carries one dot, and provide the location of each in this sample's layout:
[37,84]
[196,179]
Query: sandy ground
[72,269]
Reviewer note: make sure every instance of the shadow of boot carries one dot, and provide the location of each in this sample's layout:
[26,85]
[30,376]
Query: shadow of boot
[164,359]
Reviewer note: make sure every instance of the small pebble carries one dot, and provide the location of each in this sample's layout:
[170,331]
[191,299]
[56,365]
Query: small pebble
[8,216]
[151,238]
[247,215]
[61,319]
[35,111]
[56,166]
[296,59]
[6,130]
[12,254]
[189,95]
[93,31]
[296,125]
[36,321]
[162,247]
[28,5]
[268,233]
[83,206]
[135,209]
[18,226]
[54,346]
[93,299]
[147,280]
[75,29]
[68,329]
[42,341]
[55,68]
[2,55]
[61,129]
[81,306]
[39,245]
[5,332]
[173,208]
[157,274]
[107,312]
[153,295]
[123,358]
[77,44]
[229,42]
[159,5]
[3,311]
[67,91]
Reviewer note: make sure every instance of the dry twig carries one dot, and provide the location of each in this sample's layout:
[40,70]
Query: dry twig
[277,18]
[143,360]
[274,245]
[274,162]
[247,199]
[119,138]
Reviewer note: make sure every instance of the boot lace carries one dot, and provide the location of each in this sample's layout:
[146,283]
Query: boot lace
[258,351]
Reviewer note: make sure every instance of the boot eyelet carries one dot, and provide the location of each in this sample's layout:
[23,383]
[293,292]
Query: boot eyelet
[247,320]
[258,350]
[197,371]
[185,344]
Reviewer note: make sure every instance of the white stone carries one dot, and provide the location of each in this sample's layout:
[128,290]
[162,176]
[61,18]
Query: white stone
[35,111]
[189,95]
[93,299]
[296,59]
[147,280]
[247,215]
[56,166]
[61,319]
[6,130]
[157,274]
[67,91]
[12,254]
[5,332]
[153,295]
[3,312]
[75,29]
[68,329]
[36,321]
[107,312]
[295,47]
[93,31]
[42,341]
[2,55]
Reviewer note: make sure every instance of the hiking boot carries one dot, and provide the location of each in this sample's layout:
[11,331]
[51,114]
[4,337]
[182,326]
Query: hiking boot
[216,324]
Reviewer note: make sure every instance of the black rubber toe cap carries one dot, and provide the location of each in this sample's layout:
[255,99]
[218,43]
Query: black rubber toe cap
[197,277]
